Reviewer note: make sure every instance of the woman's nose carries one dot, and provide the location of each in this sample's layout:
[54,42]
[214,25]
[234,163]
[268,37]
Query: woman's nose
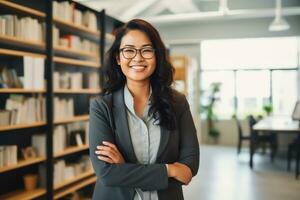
[138,56]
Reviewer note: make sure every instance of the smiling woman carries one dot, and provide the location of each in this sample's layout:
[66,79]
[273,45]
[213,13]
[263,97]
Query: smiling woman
[143,142]
[137,58]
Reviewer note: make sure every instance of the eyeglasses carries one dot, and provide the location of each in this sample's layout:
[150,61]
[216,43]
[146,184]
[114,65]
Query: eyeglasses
[130,52]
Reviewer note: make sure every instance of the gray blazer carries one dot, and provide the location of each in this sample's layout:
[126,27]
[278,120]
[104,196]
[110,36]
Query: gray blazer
[108,121]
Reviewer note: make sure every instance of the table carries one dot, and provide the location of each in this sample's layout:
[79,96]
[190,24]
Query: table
[281,125]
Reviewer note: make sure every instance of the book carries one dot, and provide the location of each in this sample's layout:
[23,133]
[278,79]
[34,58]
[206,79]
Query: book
[4,117]
[38,142]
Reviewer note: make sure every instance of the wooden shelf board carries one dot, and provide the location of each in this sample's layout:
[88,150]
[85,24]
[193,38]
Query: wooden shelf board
[21,41]
[74,119]
[76,62]
[110,37]
[22,163]
[19,53]
[71,150]
[77,27]
[74,51]
[22,8]
[78,91]
[73,180]
[75,187]
[20,126]
[24,195]
[20,90]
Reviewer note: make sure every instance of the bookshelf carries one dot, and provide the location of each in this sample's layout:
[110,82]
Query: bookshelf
[15,40]
[24,9]
[78,91]
[22,163]
[14,47]
[71,150]
[75,187]
[74,51]
[21,126]
[180,64]
[70,181]
[59,22]
[21,90]
[73,119]
[85,59]
[24,195]
[81,63]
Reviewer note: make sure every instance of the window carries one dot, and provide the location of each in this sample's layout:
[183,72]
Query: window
[246,68]
[284,91]
[224,106]
[253,91]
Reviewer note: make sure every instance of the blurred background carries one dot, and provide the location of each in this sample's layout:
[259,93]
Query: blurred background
[237,62]
[240,58]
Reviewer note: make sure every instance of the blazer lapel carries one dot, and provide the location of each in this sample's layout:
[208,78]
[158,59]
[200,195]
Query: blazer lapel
[164,138]
[121,124]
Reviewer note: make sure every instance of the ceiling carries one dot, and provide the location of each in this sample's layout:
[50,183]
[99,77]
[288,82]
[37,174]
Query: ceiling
[167,11]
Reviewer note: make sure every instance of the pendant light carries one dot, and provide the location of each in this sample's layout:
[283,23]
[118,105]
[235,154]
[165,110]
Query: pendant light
[279,23]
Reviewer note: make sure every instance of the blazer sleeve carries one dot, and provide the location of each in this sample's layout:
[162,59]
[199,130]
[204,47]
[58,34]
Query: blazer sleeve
[132,175]
[189,145]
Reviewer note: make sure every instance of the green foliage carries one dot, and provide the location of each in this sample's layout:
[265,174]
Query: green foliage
[268,108]
[213,132]
[208,109]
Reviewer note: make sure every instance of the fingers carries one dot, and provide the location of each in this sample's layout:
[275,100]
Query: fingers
[110,151]
[106,159]
[110,145]
[107,152]
[104,149]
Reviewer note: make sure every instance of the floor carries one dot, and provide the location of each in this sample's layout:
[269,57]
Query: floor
[224,175]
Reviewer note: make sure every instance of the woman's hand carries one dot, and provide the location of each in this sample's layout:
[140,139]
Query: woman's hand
[109,153]
[180,172]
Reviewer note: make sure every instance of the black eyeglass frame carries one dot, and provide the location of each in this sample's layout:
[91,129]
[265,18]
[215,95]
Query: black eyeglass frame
[136,50]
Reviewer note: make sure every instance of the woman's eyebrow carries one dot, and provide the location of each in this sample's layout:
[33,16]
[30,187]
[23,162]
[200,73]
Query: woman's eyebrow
[144,45]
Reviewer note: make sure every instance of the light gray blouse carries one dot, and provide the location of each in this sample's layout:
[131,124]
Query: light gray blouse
[145,137]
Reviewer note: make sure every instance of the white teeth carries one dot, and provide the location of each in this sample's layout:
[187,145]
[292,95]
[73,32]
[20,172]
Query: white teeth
[137,67]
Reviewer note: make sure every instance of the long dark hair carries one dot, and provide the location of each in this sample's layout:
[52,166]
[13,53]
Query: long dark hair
[162,101]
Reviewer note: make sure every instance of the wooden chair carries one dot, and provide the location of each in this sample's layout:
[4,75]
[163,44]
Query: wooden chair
[242,136]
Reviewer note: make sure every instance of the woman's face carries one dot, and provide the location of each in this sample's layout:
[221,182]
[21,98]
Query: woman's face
[136,65]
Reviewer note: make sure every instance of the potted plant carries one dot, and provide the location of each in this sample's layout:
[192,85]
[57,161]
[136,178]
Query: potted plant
[268,108]
[208,111]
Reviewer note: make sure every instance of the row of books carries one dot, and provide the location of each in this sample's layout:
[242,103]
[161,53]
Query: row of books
[9,78]
[26,28]
[75,134]
[67,135]
[8,155]
[75,80]
[63,108]
[66,11]
[33,74]
[65,171]
[73,42]
[23,110]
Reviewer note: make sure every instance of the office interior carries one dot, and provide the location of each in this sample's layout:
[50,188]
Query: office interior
[239,59]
